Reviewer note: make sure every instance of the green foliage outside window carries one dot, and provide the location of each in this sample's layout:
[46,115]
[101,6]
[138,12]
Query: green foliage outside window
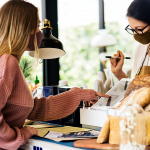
[81,61]
[28,65]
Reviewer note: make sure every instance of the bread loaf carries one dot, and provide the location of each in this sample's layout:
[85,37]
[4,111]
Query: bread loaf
[114,130]
[147,107]
[104,134]
[137,83]
[114,134]
[147,122]
[138,92]
[140,96]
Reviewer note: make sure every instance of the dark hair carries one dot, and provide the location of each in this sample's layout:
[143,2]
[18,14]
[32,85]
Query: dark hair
[140,10]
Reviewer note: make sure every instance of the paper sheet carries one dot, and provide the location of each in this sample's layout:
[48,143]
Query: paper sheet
[117,94]
[39,126]
[66,129]
[28,122]
[57,136]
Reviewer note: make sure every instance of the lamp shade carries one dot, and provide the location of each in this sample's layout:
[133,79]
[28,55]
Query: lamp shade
[103,39]
[50,47]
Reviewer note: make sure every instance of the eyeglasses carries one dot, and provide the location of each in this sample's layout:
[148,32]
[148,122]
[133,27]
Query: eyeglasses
[138,31]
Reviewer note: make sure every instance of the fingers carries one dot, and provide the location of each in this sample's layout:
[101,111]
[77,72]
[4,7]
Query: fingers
[113,61]
[118,53]
[101,95]
[122,56]
[34,131]
[120,62]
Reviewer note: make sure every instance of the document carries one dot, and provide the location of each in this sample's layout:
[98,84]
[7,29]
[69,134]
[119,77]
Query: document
[66,129]
[117,94]
[39,126]
[58,136]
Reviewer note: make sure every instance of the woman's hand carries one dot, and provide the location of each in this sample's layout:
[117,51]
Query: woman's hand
[117,64]
[33,130]
[98,95]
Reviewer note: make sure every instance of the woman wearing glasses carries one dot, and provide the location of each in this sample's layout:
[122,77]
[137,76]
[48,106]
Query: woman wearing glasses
[138,15]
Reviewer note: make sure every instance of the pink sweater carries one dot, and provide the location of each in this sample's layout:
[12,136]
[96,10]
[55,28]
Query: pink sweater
[17,104]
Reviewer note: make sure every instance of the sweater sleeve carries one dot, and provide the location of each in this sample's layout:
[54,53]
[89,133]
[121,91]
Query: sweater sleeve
[61,105]
[10,138]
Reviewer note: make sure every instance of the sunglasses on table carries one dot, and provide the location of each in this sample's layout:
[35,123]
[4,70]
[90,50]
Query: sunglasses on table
[132,31]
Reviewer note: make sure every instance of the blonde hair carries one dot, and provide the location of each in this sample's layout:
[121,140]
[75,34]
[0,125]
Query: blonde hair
[17,19]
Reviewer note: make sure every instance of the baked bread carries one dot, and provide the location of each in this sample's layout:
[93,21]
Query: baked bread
[114,134]
[104,134]
[137,83]
[140,96]
[147,107]
[138,92]
[147,122]
[111,130]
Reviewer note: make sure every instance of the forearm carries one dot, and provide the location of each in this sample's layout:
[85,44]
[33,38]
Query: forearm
[54,107]
[120,75]
[12,138]
[59,106]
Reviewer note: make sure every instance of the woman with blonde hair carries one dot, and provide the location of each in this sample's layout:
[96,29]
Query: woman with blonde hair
[19,31]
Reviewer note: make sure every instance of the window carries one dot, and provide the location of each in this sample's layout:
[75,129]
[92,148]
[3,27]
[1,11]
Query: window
[116,21]
[78,24]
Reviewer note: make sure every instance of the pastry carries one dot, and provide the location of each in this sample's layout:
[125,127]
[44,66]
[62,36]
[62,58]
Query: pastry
[111,130]
[138,92]
[104,134]
[114,135]
[140,96]
[137,83]
[147,107]
[147,122]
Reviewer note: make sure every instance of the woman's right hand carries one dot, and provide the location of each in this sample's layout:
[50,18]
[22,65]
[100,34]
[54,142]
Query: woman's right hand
[117,64]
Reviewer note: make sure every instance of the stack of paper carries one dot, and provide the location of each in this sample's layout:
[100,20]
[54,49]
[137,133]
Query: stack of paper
[66,133]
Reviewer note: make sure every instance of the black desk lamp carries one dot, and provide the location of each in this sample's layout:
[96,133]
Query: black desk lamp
[50,47]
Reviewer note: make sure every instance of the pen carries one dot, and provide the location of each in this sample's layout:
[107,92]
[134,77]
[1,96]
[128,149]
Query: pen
[114,57]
